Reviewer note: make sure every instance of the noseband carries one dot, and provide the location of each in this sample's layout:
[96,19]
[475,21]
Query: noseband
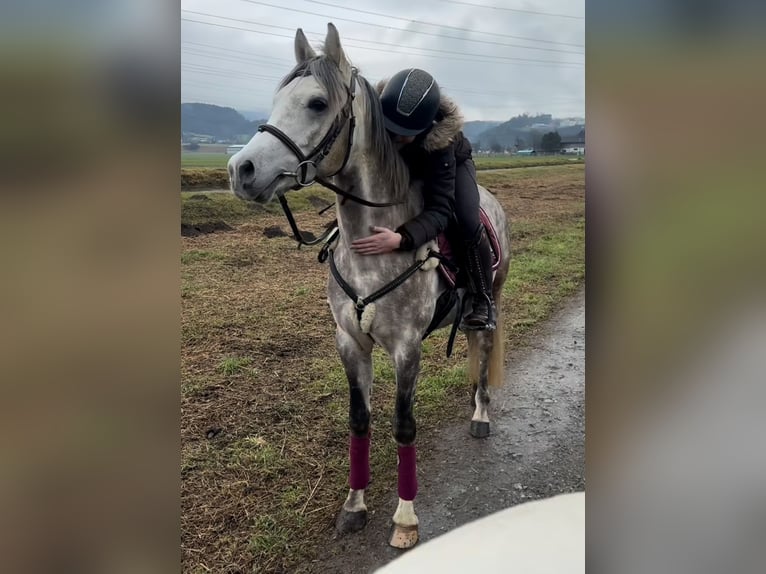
[307,171]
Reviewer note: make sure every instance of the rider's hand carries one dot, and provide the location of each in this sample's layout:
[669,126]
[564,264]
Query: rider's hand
[383,240]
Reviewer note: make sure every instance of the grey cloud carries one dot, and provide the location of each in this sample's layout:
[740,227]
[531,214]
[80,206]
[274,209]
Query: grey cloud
[494,89]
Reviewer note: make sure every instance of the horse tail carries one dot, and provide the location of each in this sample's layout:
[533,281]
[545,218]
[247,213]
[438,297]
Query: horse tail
[497,354]
[474,356]
[496,358]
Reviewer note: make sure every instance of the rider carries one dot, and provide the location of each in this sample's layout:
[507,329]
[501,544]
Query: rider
[427,126]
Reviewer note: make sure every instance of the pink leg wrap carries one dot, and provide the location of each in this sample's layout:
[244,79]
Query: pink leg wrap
[408,480]
[359,456]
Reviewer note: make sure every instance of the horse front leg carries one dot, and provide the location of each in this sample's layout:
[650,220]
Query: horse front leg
[357,362]
[407,365]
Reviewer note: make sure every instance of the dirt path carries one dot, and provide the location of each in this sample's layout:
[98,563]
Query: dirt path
[536,450]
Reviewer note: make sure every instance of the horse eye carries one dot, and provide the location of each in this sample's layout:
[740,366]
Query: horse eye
[318,105]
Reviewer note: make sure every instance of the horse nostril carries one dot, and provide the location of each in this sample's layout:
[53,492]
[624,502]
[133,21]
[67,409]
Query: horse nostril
[246,171]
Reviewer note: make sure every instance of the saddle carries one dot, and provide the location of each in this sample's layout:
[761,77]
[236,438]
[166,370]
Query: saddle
[447,271]
[450,271]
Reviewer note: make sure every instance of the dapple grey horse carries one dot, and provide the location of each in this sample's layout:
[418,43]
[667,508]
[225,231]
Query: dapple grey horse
[327,126]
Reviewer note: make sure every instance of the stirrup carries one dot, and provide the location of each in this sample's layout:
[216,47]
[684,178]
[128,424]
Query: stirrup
[489,325]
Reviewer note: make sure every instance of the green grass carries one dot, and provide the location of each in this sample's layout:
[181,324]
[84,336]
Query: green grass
[574,172]
[201,159]
[503,162]
[219,160]
[230,209]
[551,268]
[271,535]
[233,365]
[217,207]
[204,171]
[194,256]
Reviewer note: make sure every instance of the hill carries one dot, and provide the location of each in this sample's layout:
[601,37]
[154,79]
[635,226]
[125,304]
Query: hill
[208,123]
[217,122]
[473,130]
[524,131]
[255,115]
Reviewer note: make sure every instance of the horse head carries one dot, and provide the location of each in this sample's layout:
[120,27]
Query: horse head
[311,120]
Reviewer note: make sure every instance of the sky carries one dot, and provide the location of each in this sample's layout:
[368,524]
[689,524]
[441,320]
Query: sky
[496,58]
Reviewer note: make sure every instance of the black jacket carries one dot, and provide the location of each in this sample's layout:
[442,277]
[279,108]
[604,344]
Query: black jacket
[436,169]
[433,158]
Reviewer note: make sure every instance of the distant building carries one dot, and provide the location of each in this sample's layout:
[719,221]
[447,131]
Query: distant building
[526,152]
[232,149]
[568,122]
[573,146]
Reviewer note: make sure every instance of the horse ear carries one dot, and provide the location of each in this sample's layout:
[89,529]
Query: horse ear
[303,50]
[333,49]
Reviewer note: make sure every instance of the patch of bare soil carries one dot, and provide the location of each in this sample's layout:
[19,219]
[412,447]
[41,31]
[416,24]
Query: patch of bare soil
[204,178]
[204,228]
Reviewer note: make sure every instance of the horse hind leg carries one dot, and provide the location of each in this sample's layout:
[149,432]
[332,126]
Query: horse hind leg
[479,353]
[357,362]
[486,360]
[404,533]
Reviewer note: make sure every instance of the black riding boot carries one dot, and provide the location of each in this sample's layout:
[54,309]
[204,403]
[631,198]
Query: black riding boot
[479,258]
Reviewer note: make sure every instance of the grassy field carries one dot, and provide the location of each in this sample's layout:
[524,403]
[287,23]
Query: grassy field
[201,159]
[218,160]
[264,402]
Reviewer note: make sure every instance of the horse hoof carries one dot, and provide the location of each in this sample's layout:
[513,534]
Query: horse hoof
[403,537]
[348,522]
[479,429]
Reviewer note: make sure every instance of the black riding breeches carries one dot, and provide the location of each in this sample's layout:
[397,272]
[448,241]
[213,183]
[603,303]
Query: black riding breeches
[466,200]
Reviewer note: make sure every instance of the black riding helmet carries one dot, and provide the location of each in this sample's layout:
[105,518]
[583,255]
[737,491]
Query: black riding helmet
[410,102]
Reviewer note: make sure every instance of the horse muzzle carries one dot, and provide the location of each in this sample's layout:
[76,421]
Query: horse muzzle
[250,184]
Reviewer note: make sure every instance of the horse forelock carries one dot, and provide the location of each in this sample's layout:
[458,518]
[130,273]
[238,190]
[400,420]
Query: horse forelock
[327,74]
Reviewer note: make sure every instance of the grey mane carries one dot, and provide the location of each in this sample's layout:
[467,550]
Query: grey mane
[392,166]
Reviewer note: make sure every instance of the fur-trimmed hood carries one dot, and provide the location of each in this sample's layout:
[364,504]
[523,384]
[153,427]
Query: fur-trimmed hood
[444,131]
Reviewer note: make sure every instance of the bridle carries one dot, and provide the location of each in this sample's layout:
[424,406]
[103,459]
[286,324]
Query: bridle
[307,171]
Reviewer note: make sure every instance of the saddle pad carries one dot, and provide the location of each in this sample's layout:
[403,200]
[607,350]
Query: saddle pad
[446,249]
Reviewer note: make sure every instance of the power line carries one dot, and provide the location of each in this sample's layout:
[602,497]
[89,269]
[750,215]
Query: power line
[509,59]
[515,10]
[235,74]
[240,72]
[371,41]
[451,27]
[383,26]
[321,35]
[454,59]
[226,73]
[487,92]
[280,60]
[236,28]
[208,86]
[235,59]
[504,60]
